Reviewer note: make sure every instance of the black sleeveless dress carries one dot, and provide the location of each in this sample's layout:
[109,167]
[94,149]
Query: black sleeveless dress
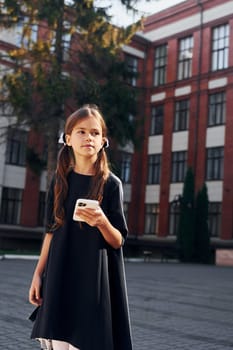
[84,290]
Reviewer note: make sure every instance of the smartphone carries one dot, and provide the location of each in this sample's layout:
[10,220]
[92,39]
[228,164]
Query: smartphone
[84,203]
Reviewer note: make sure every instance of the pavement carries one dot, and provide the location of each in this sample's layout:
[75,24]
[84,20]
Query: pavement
[173,306]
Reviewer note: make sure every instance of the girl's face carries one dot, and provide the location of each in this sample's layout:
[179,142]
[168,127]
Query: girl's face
[86,138]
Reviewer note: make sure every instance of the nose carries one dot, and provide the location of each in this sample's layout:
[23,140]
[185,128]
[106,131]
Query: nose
[88,136]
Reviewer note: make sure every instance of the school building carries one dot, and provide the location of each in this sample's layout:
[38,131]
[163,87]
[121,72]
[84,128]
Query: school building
[184,60]
[184,56]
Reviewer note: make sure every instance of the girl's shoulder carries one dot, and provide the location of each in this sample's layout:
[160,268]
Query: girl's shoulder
[113,183]
[113,180]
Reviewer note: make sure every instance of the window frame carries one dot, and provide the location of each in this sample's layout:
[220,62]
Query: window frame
[157,120]
[174,218]
[21,39]
[11,205]
[41,208]
[126,167]
[217,109]
[16,147]
[154,169]
[179,166]
[66,40]
[132,67]
[214,163]
[215,218]
[185,54]
[126,210]
[160,65]
[181,120]
[151,225]
[220,47]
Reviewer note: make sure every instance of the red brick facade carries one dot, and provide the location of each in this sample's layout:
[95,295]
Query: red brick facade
[199,19]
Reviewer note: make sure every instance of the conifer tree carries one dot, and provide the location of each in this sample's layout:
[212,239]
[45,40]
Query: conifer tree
[202,235]
[186,230]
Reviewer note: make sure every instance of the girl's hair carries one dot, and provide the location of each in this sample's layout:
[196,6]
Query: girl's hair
[66,162]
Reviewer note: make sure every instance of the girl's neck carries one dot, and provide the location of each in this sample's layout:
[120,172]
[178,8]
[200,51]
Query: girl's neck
[84,168]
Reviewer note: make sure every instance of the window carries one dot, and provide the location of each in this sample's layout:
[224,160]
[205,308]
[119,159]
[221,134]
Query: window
[185,58]
[217,109]
[160,65]
[157,120]
[154,168]
[3,8]
[126,210]
[126,167]
[41,208]
[174,217]
[220,47]
[11,206]
[151,219]
[66,40]
[181,115]
[26,33]
[132,65]
[214,219]
[179,166]
[214,165]
[16,147]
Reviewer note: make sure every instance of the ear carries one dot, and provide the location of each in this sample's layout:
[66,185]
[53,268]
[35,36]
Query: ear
[68,140]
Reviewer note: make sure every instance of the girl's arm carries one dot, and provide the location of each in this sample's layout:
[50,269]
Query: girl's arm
[97,218]
[34,292]
[109,232]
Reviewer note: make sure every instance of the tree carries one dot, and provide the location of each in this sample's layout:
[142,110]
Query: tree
[186,230]
[49,80]
[202,235]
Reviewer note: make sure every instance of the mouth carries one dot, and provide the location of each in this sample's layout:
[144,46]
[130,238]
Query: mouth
[88,146]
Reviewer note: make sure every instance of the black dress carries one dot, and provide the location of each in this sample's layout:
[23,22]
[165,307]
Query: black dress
[84,291]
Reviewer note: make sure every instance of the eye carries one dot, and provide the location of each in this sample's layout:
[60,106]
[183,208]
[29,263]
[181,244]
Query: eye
[95,133]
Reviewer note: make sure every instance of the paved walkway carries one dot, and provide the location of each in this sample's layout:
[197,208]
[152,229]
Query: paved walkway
[173,306]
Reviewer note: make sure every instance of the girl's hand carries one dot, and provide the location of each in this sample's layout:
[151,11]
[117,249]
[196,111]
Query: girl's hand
[97,218]
[35,291]
[93,217]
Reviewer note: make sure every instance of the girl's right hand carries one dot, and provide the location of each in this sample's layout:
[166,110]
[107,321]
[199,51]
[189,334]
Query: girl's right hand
[35,291]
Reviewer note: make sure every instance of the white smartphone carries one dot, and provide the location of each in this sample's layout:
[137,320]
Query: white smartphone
[84,203]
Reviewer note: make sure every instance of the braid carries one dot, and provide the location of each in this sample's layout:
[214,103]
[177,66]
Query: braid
[64,166]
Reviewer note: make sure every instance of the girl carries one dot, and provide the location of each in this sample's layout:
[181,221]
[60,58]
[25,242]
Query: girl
[82,303]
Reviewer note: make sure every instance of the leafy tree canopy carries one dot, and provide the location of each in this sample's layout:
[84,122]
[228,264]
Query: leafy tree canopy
[69,54]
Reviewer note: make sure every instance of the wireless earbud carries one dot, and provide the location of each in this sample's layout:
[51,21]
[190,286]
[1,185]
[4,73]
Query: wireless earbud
[106,144]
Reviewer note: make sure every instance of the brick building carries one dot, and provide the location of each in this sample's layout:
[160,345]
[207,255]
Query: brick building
[183,57]
[186,65]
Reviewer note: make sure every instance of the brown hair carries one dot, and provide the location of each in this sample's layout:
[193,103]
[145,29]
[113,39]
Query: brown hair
[66,162]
